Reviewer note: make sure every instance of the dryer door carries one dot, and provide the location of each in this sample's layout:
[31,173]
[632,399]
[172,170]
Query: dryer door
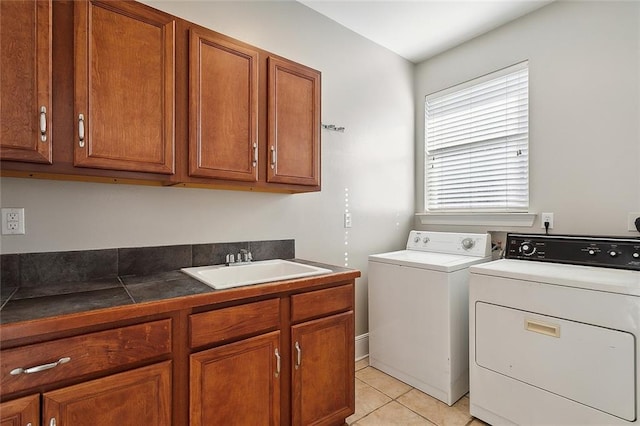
[588,364]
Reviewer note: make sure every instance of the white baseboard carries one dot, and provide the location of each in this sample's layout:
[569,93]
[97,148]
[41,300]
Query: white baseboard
[362,346]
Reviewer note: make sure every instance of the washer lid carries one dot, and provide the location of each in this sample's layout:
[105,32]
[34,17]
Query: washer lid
[587,277]
[427,260]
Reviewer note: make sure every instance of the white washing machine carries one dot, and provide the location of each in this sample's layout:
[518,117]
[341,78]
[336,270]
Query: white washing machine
[418,311]
[554,332]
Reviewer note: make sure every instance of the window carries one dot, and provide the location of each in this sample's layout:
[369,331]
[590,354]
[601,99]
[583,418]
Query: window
[476,144]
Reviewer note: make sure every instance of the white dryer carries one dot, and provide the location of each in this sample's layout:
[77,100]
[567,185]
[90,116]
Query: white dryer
[418,311]
[555,332]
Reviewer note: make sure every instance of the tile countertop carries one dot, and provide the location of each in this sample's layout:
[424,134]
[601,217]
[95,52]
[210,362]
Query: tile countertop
[30,303]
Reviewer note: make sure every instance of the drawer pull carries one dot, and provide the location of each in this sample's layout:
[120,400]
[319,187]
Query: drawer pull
[39,368]
[52,421]
[541,328]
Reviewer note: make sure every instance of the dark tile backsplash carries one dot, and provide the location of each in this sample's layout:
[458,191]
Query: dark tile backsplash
[215,254]
[9,270]
[279,249]
[151,260]
[68,266]
[78,267]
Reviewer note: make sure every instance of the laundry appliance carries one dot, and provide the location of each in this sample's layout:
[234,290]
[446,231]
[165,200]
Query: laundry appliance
[418,311]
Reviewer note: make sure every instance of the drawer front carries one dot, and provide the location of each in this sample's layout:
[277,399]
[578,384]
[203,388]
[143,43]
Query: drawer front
[321,302]
[237,321]
[50,362]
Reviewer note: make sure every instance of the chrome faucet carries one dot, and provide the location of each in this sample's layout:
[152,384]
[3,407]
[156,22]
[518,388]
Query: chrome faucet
[243,256]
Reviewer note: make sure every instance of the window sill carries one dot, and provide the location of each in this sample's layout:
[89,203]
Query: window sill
[483,219]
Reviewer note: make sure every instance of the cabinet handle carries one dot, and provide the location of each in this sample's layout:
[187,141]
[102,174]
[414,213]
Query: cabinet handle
[39,368]
[273,157]
[81,130]
[43,123]
[299,355]
[52,421]
[255,154]
[277,363]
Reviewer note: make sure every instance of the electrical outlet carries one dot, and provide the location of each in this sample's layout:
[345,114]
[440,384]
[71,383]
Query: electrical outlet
[347,220]
[631,221]
[546,217]
[13,221]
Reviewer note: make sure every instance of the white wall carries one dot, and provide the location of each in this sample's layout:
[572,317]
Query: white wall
[584,70]
[365,88]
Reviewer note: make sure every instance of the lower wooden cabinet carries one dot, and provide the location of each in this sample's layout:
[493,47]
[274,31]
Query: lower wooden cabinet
[323,370]
[287,358]
[21,412]
[237,384]
[136,397]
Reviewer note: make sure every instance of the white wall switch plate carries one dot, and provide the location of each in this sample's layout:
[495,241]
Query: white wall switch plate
[13,221]
[631,221]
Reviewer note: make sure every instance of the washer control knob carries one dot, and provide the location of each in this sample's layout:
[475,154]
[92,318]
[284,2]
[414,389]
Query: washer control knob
[613,253]
[592,252]
[468,243]
[416,240]
[636,255]
[527,248]
[425,240]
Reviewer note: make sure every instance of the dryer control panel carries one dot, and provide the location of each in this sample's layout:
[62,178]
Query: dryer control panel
[450,242]
[607,252]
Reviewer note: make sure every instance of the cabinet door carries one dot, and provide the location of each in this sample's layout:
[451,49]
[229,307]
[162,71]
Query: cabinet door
[294,124]
[237,384]
[124,87]
[323,360]
[136,397]
[25,86]
[223,108]
[21,412]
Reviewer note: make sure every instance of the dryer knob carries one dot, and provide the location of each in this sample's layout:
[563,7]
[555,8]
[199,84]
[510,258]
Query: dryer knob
[416,240]
[425,240]
[468,243]
[613,253]
[636,255]
[527,248]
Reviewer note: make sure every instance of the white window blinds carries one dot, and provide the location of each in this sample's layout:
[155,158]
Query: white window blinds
[476,144]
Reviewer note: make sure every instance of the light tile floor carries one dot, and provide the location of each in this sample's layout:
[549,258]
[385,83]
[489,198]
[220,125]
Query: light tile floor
[384,400]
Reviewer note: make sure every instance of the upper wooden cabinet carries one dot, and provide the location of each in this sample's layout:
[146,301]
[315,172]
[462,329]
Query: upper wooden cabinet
[294,123]
[144,96]
[223,108]
[25,86]
[124,87]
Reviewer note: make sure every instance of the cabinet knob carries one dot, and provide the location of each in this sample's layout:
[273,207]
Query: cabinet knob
[52,421]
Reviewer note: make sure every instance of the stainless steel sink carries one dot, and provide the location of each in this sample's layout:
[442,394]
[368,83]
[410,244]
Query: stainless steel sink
[222,276]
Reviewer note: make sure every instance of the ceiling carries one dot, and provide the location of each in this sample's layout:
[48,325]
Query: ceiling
[420,29]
